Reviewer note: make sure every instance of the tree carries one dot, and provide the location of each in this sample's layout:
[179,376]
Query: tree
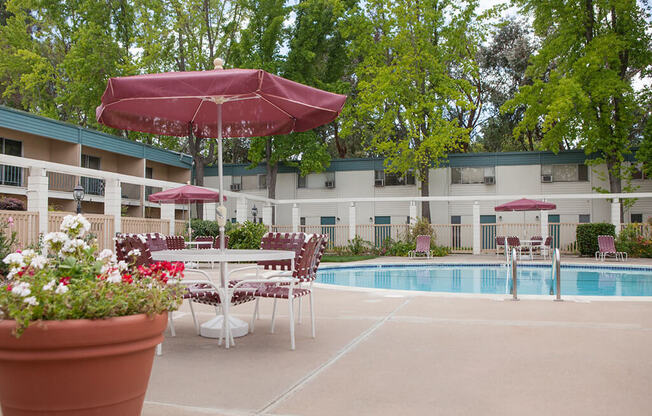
[591,52]
[405,50]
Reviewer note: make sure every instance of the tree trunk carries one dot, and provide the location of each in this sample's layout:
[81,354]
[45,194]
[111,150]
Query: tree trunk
[341,147]
[199,181]
[615,182]
[272,171]
[425,191]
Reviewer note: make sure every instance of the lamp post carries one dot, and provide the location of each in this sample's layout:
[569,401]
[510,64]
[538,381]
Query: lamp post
[78,195]
[254,212]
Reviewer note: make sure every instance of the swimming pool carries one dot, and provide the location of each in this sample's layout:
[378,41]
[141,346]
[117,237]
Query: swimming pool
[494,279]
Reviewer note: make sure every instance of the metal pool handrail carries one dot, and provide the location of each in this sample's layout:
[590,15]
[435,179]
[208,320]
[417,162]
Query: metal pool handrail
[556,273]
[514,272]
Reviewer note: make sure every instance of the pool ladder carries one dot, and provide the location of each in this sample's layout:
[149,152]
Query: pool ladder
[556,273]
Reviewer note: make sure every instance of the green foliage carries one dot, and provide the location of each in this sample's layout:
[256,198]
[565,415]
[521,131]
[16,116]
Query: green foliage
[7,245]
[346,258]
[207,228]
[422,227]
[246,235]
[587,236]
[358,246]
[633,243]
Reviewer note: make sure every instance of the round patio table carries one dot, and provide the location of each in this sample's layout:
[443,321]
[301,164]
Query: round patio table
[237,327]
[199,243]
[531,244]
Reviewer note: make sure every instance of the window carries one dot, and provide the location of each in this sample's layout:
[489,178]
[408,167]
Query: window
[566,173]
[637,218]
[472,175]
[301,181]
[302,221]
[584,218]
[330,180]
[262,181]
[236,180]
[382,178]
[11,175]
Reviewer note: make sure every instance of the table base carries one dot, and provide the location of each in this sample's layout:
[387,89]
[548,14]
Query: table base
[213,328]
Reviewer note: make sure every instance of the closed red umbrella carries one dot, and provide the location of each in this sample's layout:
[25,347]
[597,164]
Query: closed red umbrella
[217,103]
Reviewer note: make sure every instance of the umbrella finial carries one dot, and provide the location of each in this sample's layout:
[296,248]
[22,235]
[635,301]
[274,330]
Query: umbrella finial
[218,63]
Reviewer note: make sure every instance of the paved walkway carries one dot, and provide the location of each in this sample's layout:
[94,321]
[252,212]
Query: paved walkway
[385,353]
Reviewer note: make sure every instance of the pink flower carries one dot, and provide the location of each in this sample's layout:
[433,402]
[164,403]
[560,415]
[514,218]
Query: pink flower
[10,220]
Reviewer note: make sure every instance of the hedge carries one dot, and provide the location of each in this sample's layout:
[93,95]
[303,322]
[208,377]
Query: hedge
[587,236]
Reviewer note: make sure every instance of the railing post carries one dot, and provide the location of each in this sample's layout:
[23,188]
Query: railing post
[615,214]
[352,221]
[413,212]
[296,218]
[113,203]
[477,242]
[241,210]
[37,196]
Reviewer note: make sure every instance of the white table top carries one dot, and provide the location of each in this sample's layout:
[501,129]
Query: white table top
[198,243]
[216,255]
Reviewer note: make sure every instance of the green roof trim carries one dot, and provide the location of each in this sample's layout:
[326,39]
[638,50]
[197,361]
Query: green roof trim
[18,120]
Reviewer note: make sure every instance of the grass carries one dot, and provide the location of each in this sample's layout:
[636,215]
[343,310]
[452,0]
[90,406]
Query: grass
[342,259]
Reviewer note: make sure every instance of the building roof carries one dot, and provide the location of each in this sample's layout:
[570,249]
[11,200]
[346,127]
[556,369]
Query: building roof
[46,127]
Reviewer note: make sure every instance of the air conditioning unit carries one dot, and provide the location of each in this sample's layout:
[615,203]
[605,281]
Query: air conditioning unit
[330,184]
[379,183]
[546,178]
[489,180]
[235,187]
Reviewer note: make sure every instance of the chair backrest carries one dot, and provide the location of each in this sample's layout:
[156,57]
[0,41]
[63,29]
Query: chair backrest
[548,242]
[500,240]
[134,242]
[321,248]
[304,268]
[606,244]
[216,243]
[536,240]
[537,237]
[206,238]
[156,242]
[175,242]
[423,243]
[282,241]
[513,241]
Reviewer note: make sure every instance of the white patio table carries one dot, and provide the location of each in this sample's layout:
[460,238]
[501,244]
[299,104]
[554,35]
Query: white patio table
[237,327]
[199,243]
[531,244]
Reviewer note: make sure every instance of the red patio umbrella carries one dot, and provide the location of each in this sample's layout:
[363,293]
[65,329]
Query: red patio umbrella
[525,204]
[185,194]
[217,103]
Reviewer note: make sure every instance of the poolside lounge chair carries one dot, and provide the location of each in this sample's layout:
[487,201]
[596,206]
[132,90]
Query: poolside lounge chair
[546,247]
[422,247]
[607,247]
[500,242]
[514,242]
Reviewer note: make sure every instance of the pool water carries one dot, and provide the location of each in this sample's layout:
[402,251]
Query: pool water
[494,279]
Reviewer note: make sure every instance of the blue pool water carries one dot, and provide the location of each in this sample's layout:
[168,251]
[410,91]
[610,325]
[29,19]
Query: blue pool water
[496,279]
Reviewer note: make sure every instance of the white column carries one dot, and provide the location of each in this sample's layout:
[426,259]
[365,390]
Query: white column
[296,219]
[241,210]
[37,197]
[413,212]
[544,224]
[615,214]
[267,214]
[352,221]
[209,211]
[477,242]
[167,213]
[113,203]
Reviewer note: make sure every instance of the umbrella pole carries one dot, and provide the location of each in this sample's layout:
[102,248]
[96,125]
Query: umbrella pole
[189,223]
[220,167]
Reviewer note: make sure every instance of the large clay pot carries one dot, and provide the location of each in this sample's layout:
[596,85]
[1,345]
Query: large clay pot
[78,367]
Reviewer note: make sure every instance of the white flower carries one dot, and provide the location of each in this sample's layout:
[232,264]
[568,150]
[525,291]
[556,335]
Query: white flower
[55,237]
[28,254]
[135,253]
[75,225]
[105,268]
[21,289]
[39,262]
[50,285]
[114,277]
[122,265]
[71,246]
[105,254]
[61,289]
[12,272]
[15,259]
[31,301]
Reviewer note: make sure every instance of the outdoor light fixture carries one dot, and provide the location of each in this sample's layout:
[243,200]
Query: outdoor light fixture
[78,195]
[371,219]
[254,212]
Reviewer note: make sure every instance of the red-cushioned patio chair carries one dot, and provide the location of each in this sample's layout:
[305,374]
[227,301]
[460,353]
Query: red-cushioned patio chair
[500,242]
[207,239]
[607,247]
[422,247]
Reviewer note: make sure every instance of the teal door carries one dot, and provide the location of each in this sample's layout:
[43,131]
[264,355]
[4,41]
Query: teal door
[488,228]
[456,232]
[328,228]
[382,230]
[553,229]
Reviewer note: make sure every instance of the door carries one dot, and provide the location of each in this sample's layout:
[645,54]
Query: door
[553,229]
[456,232]
[382,229]
[328,228]
[12,175]
[488,229]
[92,186]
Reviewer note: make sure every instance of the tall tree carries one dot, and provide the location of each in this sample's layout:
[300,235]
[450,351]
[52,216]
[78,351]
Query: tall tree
[591,52]
[406,48]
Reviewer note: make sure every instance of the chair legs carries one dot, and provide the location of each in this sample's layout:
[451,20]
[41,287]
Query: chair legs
[171,324]
[291,310]
[194,317]
[273,317]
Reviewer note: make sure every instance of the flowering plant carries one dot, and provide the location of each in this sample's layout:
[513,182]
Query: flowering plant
[72,280]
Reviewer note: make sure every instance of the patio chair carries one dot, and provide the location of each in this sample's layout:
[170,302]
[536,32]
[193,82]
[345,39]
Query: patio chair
[156,242]
[216,242]
[175,242]
[282,286]
[422,247]
[514,242]
[206,238]
[607,247]
[500,242]
[546,247]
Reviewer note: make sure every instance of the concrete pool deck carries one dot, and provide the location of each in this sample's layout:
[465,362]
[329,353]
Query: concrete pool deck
[396,353]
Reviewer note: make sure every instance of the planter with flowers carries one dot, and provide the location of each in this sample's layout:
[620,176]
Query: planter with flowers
[78,329]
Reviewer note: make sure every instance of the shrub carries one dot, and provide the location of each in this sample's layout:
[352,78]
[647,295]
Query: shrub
[587,236]
[634,244]
[7,245]
[358,246]
[422,227]
[246,235]
[207,228]
[12,204]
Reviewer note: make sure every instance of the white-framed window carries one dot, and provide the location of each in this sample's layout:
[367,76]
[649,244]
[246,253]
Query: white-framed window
[329,181]
[469,175]
[584,218]
[382,178]
[571,172]
[637,218]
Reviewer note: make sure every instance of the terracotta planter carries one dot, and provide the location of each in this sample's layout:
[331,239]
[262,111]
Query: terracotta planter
[78,367]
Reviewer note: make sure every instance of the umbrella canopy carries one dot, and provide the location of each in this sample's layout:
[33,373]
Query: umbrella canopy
[255,103]
[185,194]
[525,205]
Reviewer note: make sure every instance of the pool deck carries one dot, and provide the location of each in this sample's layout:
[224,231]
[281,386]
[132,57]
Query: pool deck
[396,353]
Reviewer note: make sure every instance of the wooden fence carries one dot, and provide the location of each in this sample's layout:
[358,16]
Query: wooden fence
[102,226]
[134,225]
[25,225]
